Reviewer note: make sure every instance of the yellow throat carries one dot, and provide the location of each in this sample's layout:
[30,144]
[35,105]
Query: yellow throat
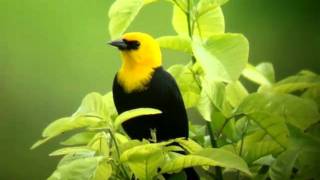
[138,62]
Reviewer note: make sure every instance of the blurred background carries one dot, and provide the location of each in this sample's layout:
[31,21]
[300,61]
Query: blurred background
[52,53]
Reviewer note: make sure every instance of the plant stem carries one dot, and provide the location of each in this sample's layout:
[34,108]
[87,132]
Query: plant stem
[118,154]
[212,138]
[214,145]
[188,14]
[241,144]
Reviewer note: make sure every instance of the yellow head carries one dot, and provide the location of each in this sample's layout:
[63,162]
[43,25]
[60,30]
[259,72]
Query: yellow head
[140,55]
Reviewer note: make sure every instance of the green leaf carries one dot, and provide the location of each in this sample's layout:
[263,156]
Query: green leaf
[313,94]
[65,124]
[81,169]
[178,43]
[273,125]
[235,93]
[207,157]
[103,171]
[100,143]
[95,105]
[267,70]
[222,57]
[308,165]
[79,138]
[125,116]
[70,150]
[262,74]
[110,108]
[130,144]
[297,82]
[213,96]
[282,167]
[304,141]
[297,111]
[71,157]
[121,138]
[122,13]
[189,145]
[206,5]
[187,83]
[144,160]
[40,142]
[209,22]
[257,145]
[68,123]
[198,133]
[94,109]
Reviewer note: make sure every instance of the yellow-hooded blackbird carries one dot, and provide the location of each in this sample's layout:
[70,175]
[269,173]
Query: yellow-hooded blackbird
[142,82]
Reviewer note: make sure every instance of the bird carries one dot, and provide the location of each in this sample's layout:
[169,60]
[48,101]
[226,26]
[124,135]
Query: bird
[142,82]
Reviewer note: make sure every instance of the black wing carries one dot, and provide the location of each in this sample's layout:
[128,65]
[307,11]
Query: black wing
[163,94]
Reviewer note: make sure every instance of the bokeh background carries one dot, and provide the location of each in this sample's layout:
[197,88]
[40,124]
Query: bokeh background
[54,52]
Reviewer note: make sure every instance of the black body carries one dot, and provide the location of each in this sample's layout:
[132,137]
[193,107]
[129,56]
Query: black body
[161,93]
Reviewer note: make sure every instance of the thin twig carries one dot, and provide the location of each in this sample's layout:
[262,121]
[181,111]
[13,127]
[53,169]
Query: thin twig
[179,5]
[214,145]
[118,153]
[244,132]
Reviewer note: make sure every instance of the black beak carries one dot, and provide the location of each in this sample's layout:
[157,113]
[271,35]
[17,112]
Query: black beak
[120,44]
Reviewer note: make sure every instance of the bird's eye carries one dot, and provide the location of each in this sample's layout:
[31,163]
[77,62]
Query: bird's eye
[132,45]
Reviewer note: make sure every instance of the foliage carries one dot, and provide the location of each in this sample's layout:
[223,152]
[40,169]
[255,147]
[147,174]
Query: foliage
[271,133]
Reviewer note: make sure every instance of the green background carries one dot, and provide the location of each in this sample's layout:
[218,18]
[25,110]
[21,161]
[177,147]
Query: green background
[54,52]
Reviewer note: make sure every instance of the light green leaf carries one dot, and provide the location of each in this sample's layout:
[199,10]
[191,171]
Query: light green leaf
[94,110]
[189,145]
[282,167]
[79,138]
[297,111]
[93,105]
[180,3]
[70,150]
[206,5]
[79,169]
[263,74]
[71,157]
[130,144]
[313,94]
[144,160]
[258,145]
[64,124]
[103,171]
[207,157]
[297,82]
[198,133]
[235,93]
[273,125]
[209,22]
[186,81]
[213,96]
[178,43]
[110,108]
[122,13]
[267,70]
[121,138]
[222,57]
[40,142]
[68,123]
[100,143]
[214,107]
[125,116]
